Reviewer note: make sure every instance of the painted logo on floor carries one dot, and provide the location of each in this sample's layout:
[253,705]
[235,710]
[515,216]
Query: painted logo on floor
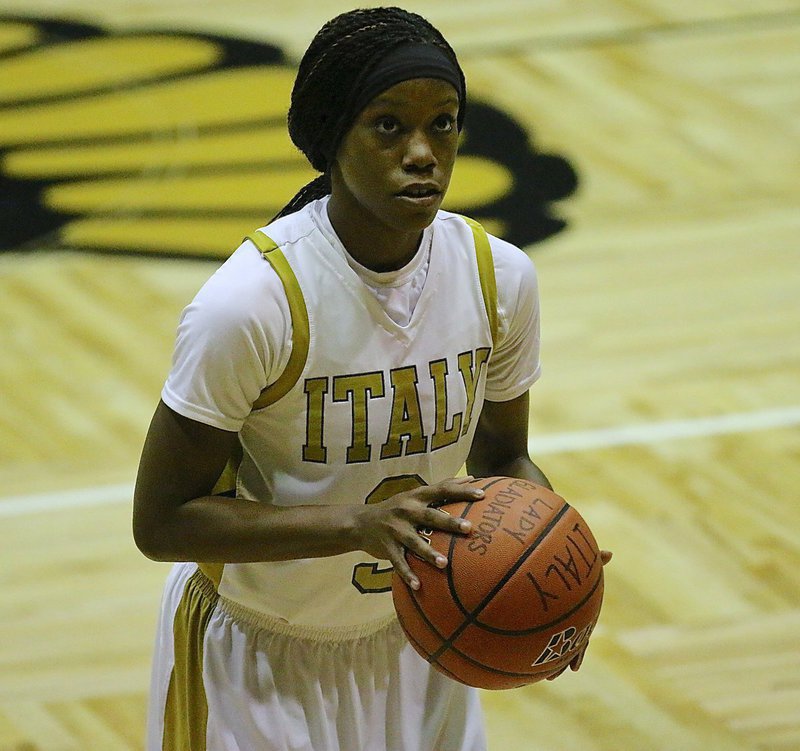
[175,144]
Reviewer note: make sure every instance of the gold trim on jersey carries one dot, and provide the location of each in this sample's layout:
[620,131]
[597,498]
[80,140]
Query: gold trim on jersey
[299,313]
[186,710]
[483,252]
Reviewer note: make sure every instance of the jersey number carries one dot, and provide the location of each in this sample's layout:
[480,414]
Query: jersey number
[369,577]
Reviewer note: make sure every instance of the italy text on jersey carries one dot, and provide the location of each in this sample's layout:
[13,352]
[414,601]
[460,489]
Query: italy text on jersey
[405,431]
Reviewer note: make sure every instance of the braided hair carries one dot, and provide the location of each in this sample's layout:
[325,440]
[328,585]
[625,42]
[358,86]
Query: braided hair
[339,58]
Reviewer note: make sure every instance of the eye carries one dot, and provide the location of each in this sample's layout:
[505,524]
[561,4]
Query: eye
[444,124]
[387,126]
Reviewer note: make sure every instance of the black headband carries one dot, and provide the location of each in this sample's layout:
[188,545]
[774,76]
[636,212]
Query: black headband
[404,63]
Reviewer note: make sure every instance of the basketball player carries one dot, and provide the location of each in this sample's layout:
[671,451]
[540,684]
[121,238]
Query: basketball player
[340,368]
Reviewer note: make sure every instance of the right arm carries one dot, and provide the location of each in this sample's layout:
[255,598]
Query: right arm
[175,518]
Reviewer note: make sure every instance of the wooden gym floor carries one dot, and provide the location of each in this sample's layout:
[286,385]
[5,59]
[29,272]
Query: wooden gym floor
[669,406]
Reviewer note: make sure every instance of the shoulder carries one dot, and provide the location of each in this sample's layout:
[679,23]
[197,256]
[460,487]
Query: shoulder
[245,281]
[293,229]
[243,284]
[452,227]
[243,301]
[513,266]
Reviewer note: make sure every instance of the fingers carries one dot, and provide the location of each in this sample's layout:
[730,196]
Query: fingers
[406,521]
[418,540]
[436,518]
[574,665]
[398,560]
[422,508]
[555,675]
[417,544]
[449,491]
[424,519]
[424,524]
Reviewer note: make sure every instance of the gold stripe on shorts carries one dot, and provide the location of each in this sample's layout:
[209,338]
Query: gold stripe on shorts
[186,711]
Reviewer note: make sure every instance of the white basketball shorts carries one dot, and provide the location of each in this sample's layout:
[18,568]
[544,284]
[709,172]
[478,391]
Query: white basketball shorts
[227,684]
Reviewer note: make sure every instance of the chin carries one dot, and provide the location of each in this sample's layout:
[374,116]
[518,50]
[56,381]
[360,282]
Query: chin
[417,225]
[416,218]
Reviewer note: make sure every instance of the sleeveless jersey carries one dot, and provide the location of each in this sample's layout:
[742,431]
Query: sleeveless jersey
[364,408]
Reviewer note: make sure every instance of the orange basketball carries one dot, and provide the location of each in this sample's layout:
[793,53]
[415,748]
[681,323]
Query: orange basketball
[521,593]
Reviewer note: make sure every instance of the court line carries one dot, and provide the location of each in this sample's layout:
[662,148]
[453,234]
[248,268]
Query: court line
[656,432]
[539,445]
[100,495]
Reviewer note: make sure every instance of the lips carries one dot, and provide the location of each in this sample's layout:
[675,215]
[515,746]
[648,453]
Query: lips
[420,190]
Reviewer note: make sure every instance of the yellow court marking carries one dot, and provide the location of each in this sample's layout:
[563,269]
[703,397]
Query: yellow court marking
[261,144]
[17,35]
[477,181]
[192,236]
[254,189]
[98,63]
[164,106]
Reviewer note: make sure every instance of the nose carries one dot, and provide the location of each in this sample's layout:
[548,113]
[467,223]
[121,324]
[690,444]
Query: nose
[419,155]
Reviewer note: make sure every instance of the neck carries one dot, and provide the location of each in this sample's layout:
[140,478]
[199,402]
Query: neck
[372,243]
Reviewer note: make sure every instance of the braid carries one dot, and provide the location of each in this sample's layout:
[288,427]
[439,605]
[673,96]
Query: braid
[319,187]
[338,59]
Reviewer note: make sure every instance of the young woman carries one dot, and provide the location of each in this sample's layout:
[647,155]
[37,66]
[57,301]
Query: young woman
[338,371]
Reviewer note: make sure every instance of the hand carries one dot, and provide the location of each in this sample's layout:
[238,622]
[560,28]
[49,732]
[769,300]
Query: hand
[387,529]
[577,661]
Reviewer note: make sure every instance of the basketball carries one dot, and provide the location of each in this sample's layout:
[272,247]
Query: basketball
[520,596]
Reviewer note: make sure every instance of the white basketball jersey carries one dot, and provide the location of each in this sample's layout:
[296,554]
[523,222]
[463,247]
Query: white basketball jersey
[364,409]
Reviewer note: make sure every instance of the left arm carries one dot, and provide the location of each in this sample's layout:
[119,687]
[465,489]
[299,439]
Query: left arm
[500,447]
